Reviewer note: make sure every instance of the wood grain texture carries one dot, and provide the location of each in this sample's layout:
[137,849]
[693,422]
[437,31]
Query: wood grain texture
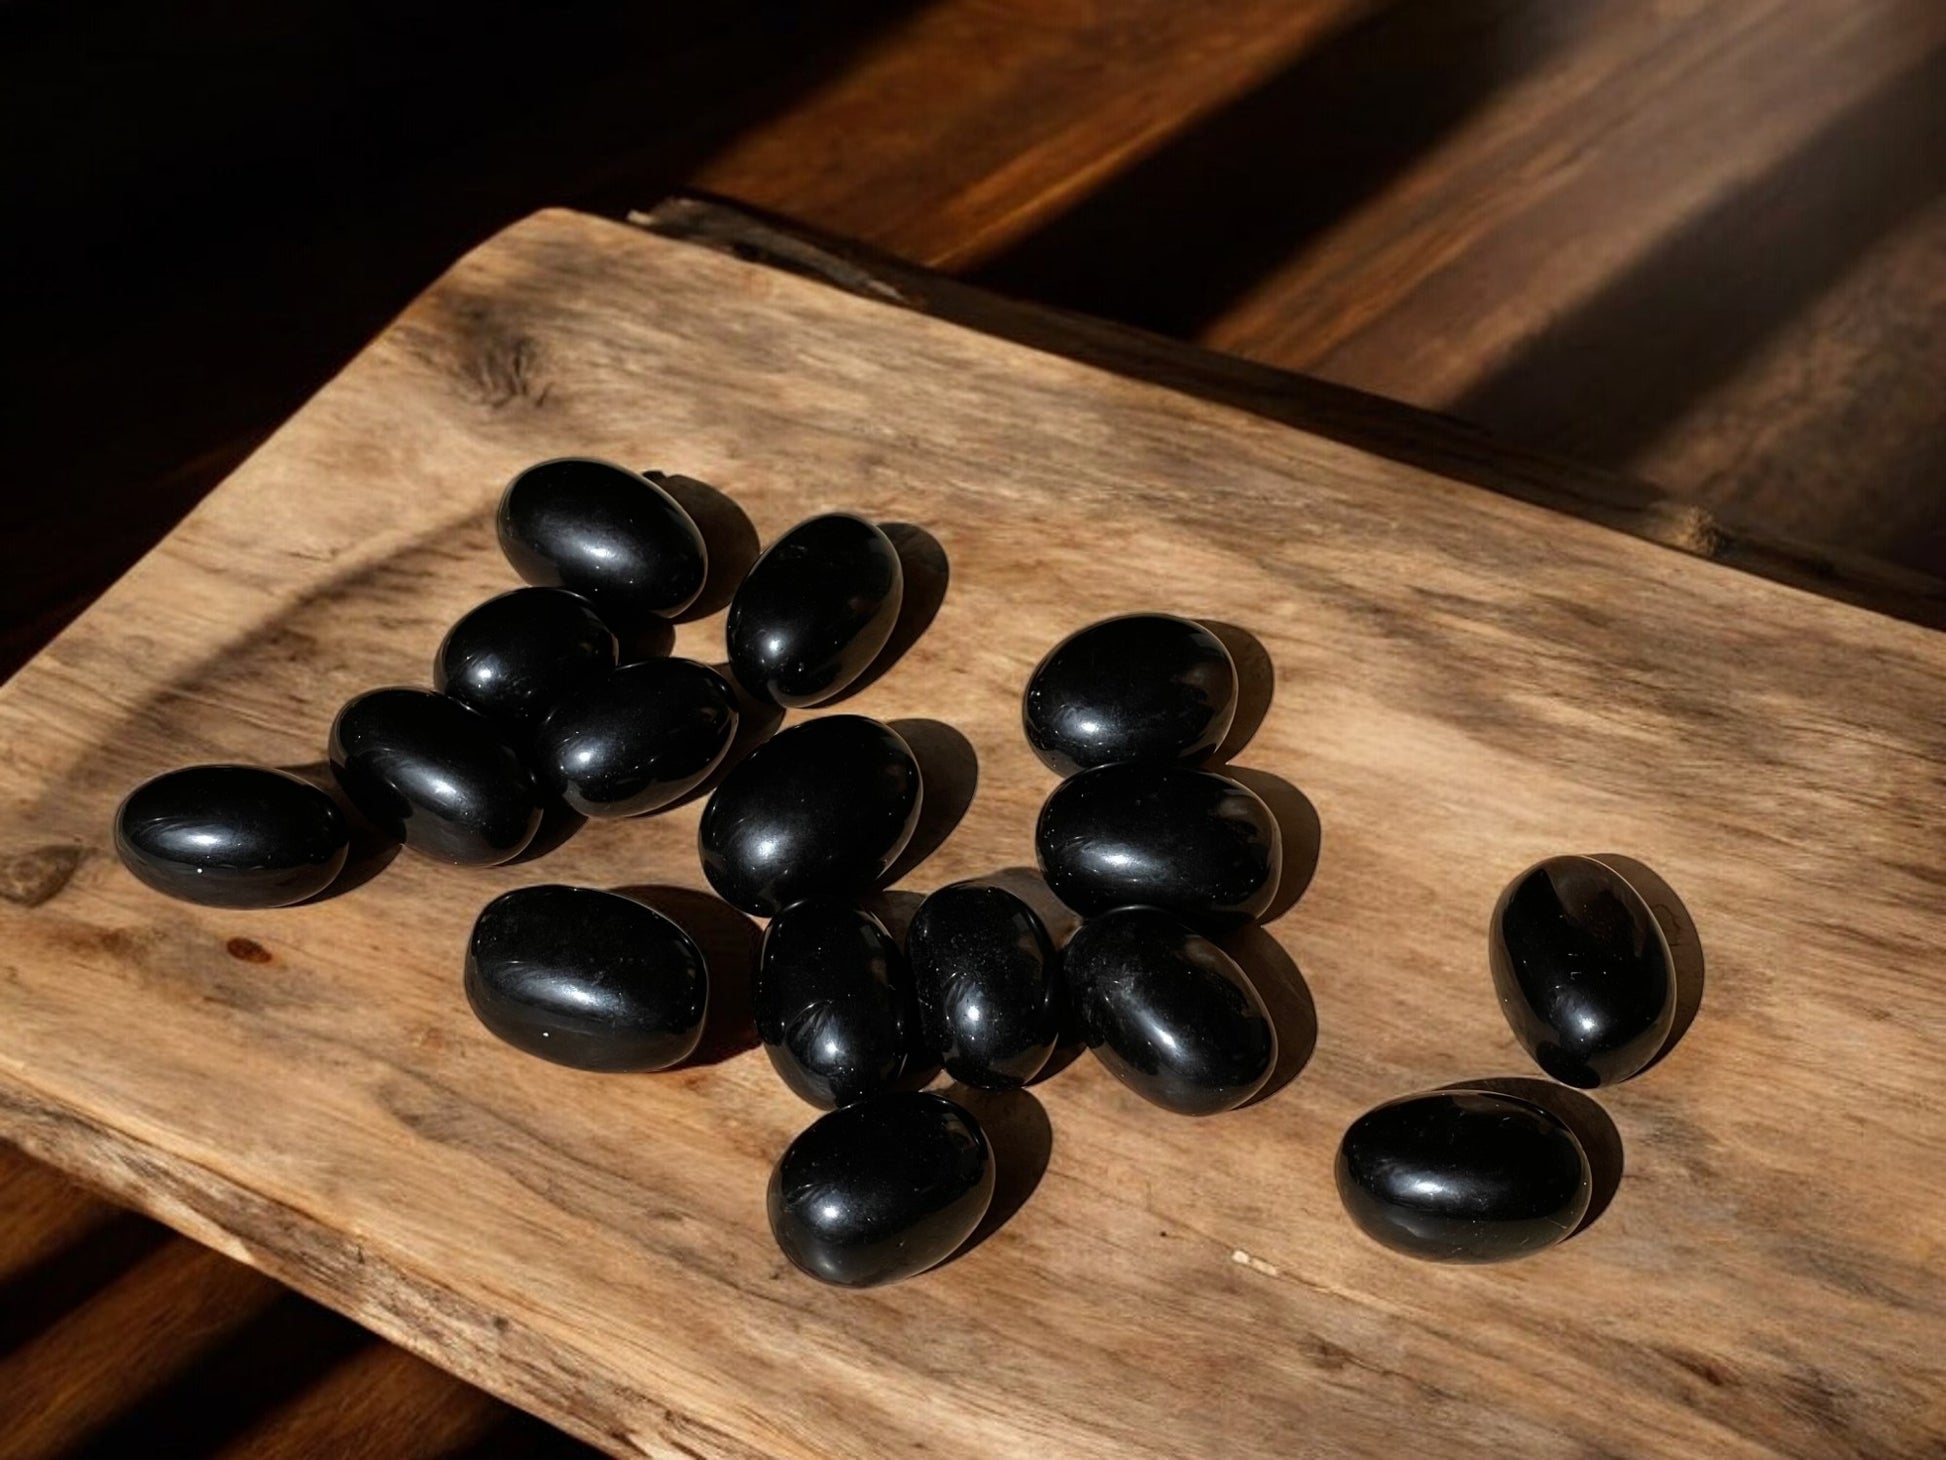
[1462,684]
[1438,443]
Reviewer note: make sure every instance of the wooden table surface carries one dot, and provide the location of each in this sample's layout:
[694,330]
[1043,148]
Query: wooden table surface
[1458,684]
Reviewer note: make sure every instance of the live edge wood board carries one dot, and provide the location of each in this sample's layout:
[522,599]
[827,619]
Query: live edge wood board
[1462,685]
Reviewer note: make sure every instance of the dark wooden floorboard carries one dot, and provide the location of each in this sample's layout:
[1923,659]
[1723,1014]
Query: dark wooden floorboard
[118,1337]
[1173,241]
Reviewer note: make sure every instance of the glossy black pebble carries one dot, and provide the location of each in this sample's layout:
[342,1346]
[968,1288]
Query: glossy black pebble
[823,809]
[514,657]
[637,738]
[881,1191]
[231,836]
[428,771]
[1463,1176]
[1583,971]
[815,610]
[1169,1013]
[833,1002]
[587,978]
[988,985]
[1191,842]
[1144,687]
[606,532]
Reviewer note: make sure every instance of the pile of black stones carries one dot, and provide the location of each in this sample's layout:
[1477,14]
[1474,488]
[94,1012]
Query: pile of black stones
[558,695]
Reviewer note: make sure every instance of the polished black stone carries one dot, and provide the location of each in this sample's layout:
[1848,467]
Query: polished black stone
[882,1190]
[1192,842]
[1169,1013]
[637,738]
[824,809]
[231,836]
[606,532]
[833,1002]
[1463,1176]
[815,610]
[1583,972]
[428,771]
[1144,687]
[516,656]
[587,978]
[988,985]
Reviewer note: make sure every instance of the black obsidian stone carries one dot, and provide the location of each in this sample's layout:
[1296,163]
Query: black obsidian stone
[607,533]
[515,656]
[587,978]
[1191,842]
[1169,1013]
[1463,1176]
[428,771]
[1144,687]
[1583,971]
[833,1002]
[881,1191]
[231,836]
[988,985]
[823,809]
[815,610]
[637,738]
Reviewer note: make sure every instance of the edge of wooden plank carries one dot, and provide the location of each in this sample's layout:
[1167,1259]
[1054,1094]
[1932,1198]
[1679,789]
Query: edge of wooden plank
[1426,439]
[334,1268]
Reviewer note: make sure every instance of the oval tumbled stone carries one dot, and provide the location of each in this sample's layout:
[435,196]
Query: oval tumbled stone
[815,610]
[514,657]
[637,738]
[1191,842]
[232,836]
[833,1002]
[1171,1014]
[587,978]
[1463,1176]
[428,771]
[607,533]
[1143,687]
[988,985]
[881,1190]
[823,809]
[1583,971]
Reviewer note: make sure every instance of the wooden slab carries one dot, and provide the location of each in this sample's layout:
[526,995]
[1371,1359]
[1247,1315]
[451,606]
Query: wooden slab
[1462,684]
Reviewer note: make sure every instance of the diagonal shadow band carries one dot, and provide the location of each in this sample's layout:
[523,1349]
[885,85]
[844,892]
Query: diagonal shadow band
[1652,344]
[293,668]
[1172,242]
[38,1297]
[275,1356]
